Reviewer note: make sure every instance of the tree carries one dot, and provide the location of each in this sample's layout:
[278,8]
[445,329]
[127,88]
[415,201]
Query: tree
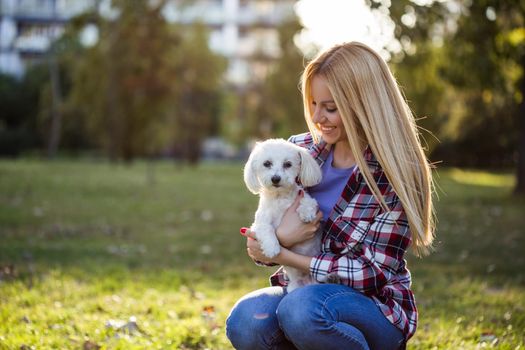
[147,84]
[19,109]
[199,81]
[122,83]
[481,48]
[280,108]
[426,92]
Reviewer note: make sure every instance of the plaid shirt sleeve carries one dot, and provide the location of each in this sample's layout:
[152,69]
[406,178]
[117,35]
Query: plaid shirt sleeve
[364,247]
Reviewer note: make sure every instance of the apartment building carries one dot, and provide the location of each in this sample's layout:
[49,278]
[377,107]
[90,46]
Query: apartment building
[27,28]
[244,31]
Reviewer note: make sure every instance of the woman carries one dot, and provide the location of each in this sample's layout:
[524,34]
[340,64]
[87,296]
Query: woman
[376,200]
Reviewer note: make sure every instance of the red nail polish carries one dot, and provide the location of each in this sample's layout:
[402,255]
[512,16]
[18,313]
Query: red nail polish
[243,230]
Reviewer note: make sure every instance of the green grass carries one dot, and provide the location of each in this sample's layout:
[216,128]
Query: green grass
[93,244]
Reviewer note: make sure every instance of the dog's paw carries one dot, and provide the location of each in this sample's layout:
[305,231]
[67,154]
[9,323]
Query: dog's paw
[307,209]
[270,249]
[306,216]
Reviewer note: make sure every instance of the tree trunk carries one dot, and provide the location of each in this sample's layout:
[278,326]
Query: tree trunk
[520,175]
[56,103]
[114,117]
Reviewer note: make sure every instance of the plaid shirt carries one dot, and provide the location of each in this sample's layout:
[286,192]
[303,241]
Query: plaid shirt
[363,245]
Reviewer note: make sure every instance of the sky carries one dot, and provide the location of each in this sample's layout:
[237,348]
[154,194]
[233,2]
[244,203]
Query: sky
[334,21]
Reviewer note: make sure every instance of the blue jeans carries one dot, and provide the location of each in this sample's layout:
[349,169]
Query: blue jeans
[321,316]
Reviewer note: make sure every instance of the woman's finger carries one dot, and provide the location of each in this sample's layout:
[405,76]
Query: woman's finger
[247,233]
[318,218]
[297,201]
[252,244]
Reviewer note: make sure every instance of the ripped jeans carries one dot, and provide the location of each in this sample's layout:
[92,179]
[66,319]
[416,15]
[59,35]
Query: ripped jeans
[321,316]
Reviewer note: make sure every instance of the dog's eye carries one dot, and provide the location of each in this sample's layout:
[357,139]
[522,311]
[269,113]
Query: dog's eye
[267,164]
[287,164]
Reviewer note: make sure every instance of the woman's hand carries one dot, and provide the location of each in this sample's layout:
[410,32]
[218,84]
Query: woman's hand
[285,256]
[254,249]
[292,229]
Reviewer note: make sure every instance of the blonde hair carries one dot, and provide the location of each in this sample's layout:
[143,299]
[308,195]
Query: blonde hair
[375,113]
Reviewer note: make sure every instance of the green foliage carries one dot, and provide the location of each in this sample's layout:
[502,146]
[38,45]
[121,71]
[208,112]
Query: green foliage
[198,104]
[462,67]
[430,98]
[279,111]
[147,85]
[19,105]
[91,244]
[118,83]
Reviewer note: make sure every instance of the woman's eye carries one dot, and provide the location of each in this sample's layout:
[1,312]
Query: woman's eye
[287,165]
[331,110]
[267,164]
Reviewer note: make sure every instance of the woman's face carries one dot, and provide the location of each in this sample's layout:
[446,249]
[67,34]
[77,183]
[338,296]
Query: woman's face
[324,112]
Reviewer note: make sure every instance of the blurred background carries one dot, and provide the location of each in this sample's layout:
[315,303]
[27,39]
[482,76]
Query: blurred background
[124,126]
[187,80]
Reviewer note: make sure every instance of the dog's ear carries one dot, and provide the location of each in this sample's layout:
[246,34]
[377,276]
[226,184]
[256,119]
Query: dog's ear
[250,176]
[310,174]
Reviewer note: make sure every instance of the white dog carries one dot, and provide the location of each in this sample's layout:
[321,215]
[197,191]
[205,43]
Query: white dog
[275,170]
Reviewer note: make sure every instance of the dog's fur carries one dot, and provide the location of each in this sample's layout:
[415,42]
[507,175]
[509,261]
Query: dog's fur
[275,171]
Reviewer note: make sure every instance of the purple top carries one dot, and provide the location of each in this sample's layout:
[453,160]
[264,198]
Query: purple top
[328,191]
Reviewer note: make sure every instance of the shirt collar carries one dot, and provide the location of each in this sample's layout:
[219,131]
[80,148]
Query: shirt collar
[321,150]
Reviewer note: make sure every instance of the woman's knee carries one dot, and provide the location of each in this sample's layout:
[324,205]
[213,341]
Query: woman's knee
[244,329]
[252,323]
[299,310]
[305,308]
[234,329]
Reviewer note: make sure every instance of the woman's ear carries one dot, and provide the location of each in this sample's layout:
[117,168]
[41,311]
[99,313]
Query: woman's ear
[250,176]
[310,174]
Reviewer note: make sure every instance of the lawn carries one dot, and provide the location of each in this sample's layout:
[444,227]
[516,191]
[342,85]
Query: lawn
[100,256]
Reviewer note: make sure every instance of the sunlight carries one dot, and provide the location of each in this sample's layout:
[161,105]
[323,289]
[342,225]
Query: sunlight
[481,178]
[337,21]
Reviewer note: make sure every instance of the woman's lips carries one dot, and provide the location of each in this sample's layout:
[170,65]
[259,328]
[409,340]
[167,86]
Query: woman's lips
[327,128]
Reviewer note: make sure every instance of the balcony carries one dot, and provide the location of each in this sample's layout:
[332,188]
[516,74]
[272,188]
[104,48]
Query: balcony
[264,13]
[44,11]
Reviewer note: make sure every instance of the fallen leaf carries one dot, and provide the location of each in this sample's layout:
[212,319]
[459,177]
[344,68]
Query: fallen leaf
[38,212]
[488,337]
[210,316]
[7,272]
[209,309]
[206,215]
[90,345]
[130,328]
[206,249]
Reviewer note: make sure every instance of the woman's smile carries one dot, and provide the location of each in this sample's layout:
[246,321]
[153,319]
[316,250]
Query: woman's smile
[325,113]
[327,129]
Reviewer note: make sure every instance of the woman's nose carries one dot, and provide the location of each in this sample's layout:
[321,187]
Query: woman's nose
[317,115]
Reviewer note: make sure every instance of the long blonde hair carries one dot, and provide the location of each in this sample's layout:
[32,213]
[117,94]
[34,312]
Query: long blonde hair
[375,113]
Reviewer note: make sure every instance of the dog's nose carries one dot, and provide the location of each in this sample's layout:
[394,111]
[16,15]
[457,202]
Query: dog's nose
[276,179]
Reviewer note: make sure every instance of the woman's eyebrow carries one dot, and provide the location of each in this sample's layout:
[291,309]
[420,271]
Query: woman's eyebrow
[325,101]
